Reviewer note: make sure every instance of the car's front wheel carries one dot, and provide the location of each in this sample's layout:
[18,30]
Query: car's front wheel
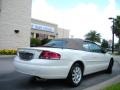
[75,75]
[109,69]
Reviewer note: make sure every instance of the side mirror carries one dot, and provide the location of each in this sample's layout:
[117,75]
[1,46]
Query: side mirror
[103,50]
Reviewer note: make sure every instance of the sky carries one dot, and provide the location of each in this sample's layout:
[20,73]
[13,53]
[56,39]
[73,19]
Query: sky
[78,16]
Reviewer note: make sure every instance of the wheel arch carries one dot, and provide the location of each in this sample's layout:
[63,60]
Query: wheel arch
[81,63]
[111,58]
[69,76]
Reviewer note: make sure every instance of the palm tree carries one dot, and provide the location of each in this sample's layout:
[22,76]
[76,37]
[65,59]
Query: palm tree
[117,29]
[93,36]
[104,44]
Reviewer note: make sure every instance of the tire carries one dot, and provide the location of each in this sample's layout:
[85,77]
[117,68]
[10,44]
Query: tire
[109,69]
[75,75]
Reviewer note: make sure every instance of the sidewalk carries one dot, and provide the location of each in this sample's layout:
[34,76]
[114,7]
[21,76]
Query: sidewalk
[117,58]
[105,84]
[7,56]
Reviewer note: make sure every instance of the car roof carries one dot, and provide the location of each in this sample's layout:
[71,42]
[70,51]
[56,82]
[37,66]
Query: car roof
[73,43]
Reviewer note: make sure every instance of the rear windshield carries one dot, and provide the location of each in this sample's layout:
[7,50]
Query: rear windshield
[56,44]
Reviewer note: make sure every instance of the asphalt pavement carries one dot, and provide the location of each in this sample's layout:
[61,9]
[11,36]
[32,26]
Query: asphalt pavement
[12,80]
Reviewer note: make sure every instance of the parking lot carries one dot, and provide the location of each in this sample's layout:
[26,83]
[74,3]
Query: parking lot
[12,80]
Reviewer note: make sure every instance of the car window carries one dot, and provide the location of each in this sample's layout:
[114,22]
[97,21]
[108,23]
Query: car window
[86,46]
[91,47]
[56,43]
[94,48]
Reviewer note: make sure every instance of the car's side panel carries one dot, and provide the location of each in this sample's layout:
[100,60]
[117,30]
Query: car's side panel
[95,62]
[51,69]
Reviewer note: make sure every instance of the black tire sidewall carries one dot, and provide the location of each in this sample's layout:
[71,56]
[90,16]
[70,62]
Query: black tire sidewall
[70,81]
[109,69]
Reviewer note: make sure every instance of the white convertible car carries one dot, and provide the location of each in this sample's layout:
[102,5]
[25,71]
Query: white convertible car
[68,59]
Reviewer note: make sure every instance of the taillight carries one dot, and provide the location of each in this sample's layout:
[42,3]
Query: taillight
[50,55]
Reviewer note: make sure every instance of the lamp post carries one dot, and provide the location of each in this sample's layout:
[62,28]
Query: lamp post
[113,28]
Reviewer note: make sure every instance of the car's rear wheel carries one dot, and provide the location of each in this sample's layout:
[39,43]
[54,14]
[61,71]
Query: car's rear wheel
[75,75]
[109,69]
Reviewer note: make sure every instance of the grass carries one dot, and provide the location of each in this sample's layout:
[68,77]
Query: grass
[113,87]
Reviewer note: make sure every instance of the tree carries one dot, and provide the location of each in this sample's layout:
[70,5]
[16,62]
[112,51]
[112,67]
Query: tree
[116,46]
[93,36]
[104,44]
[117,29]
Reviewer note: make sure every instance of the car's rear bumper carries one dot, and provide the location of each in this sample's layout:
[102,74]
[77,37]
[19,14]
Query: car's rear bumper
[47,72]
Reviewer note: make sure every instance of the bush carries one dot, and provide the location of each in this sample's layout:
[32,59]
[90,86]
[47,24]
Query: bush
[35,42]
[44,41]
[8,52]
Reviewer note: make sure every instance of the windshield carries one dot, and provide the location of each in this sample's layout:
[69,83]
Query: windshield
[56,44]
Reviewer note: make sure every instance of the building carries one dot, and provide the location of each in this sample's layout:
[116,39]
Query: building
[15,23]
[62,33]
[42,29]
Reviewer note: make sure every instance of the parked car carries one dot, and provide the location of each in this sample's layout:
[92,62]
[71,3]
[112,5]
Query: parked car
[68,59]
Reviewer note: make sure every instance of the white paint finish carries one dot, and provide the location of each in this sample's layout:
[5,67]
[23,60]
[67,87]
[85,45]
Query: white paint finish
[42,68]
[94,61]
[52,69]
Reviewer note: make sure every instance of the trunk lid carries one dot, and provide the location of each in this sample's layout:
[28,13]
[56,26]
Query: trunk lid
[30,53]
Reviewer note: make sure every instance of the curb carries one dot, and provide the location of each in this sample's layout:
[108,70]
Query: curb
[104,84]
[7,56]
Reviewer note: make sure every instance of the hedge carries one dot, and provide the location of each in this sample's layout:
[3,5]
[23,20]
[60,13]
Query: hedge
[37,42]
[8,52]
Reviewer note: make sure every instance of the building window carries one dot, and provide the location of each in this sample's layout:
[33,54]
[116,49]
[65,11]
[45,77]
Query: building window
[37,35]
[45,36]
[51,36]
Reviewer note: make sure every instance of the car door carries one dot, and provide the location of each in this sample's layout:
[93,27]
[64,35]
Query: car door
[95,59]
